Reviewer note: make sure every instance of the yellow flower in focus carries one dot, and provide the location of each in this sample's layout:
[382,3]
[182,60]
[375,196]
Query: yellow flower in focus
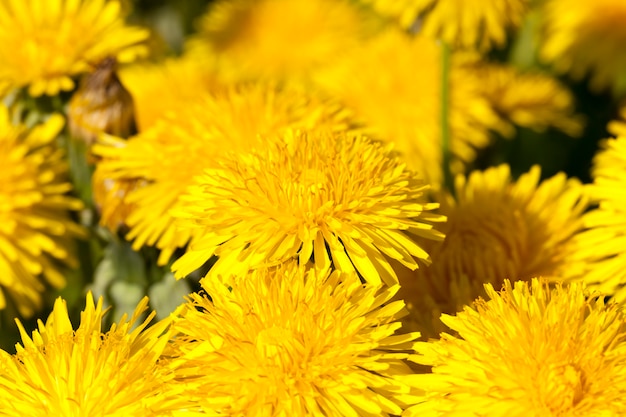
[467,24]
[277,39]
[497,229]
[332,196]
[61,372]
[36,232]
[295,342]
[163,159]
[43,44]
[601,258]
[529,351]
[529,99]
[393,84]
[585,37]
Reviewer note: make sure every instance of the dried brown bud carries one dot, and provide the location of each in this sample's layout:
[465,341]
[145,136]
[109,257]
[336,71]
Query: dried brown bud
[101,105]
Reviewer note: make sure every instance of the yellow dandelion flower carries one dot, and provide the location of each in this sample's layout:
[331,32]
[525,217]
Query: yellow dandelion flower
[528,351]
[43,44]
[167,156]
[61,372]
[404,11]
[277,38]
[404,73]
[463,24]
[317,192]
[36,232]
[529,99]
[583,37]
[295,342]
[600,256]
[497,229]
[160,88]
[110,196]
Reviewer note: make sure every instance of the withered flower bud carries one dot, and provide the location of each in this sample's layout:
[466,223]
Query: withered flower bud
[101,105]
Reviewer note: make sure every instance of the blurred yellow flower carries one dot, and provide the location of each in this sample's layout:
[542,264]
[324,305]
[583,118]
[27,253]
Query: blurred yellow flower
[585,37]
[36,232]
[497,229]
[294,342]
[465,24]
[600,257]
[277,39]
[529,351]
[529,99]
[393,84]
[185,141]
[618,127]
[403,11]
[330,196]
[43,44]
[110,197]
[159,89]
[61,372]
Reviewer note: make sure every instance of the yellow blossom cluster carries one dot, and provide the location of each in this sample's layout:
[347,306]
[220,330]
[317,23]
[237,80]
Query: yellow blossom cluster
[320,207]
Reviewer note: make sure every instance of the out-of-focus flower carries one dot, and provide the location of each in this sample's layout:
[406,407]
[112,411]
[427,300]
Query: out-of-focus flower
[600,256]
[618,127]
[101,105]
[36,232]
[528,351]
[583,37]
[393,84]
[294,342]
[460,23]
[168,155]
[61,372]
[110,196]
[403,11]
[43,44]
[329,196]
[277,39]
[159,89]
[497,229]
[529,99]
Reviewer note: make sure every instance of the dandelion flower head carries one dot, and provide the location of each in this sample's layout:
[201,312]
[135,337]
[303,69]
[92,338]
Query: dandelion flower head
[184,142]
[277,39]
[528,351]
[36,231]
[405,12]
[292,341]
[43,44]
[529,99]
[600,255]
[497,229]
[160,88]
[59,371]
[315,193]
[404,72]
[583,37]
[471,25]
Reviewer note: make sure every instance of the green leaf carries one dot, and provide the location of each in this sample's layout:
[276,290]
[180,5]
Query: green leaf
[168,294]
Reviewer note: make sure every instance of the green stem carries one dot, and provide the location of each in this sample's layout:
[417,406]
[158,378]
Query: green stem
[445,122]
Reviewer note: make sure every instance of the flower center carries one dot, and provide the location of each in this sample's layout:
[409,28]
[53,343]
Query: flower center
[565,387]
[271,341]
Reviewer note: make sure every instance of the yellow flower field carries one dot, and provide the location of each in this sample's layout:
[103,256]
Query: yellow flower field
[285,208]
